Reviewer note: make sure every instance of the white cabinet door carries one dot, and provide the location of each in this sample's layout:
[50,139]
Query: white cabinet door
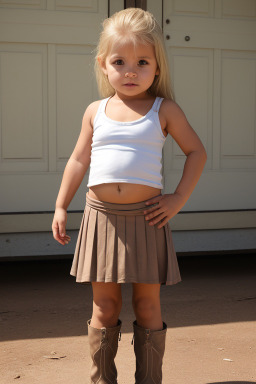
[47,80]
[212,53]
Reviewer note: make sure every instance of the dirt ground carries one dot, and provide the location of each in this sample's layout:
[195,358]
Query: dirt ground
[210,315]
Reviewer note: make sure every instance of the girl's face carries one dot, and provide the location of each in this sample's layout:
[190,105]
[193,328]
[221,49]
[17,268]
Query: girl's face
[127,64]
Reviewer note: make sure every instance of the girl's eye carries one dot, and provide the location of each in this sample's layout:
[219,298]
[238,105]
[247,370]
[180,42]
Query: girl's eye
[144,61]
[117,61]
[120,62]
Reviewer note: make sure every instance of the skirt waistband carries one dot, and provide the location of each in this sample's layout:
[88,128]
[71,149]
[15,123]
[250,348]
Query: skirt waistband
[118,209]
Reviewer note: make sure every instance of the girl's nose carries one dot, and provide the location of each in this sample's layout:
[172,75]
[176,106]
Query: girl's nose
[130,74]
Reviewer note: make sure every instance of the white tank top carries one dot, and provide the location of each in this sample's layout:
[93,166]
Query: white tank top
[127,152]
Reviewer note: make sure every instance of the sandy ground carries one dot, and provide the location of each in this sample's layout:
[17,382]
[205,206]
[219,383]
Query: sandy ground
[210,316]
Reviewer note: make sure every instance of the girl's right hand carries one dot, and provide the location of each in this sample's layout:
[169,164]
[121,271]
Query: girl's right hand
[58,226]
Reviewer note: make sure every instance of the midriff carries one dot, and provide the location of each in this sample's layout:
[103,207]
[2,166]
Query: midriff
[123,193]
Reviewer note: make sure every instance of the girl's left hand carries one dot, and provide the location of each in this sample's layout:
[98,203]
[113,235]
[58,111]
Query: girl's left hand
[168,206]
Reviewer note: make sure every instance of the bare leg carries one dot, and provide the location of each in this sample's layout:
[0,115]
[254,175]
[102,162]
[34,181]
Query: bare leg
[107,304]
[147,306]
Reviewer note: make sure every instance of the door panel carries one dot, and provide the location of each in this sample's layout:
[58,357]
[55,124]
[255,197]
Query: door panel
[47,81]
[212,52]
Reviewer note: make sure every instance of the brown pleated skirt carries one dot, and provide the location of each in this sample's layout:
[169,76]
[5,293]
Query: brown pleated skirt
[115,243]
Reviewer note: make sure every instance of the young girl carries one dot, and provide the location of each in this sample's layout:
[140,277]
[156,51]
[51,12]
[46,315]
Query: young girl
[125,236]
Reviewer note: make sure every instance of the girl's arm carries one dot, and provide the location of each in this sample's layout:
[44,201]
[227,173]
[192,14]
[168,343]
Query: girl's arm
[77,164]
[184,135]
[189,142]
[73,175]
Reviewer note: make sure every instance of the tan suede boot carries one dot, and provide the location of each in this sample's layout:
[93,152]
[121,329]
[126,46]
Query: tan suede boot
[149,347]
[103,345]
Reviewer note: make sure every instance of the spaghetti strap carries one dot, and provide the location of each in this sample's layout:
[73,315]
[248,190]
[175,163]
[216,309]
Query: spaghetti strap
[101,109]
[158,104]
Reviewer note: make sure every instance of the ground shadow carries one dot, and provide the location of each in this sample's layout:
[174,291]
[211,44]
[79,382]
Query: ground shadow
[233,382]
[40,299]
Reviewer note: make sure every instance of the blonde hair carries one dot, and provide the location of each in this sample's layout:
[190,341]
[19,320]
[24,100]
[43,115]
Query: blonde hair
[137,26]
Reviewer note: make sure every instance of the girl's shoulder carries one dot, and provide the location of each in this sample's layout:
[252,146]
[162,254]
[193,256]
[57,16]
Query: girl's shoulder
[94,105]
[168,103]
[170,110]
[173,118]
[93,108]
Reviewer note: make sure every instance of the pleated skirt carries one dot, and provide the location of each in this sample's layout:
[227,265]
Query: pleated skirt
[115,243]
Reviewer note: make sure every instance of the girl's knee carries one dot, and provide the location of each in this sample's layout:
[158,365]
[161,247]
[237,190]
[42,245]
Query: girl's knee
[107,301]
[145,296]
[145,307]
[106,309]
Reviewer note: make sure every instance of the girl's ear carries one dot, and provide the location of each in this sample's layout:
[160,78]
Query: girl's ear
[157,71]
[102,65]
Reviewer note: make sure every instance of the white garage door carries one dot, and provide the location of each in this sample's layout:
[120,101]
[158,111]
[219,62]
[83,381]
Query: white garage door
[46,82]
[212,51]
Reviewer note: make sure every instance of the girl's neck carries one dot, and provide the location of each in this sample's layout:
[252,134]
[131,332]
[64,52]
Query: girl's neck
[121,97]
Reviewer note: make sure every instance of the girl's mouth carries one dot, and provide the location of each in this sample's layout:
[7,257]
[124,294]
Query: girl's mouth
[130,85]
